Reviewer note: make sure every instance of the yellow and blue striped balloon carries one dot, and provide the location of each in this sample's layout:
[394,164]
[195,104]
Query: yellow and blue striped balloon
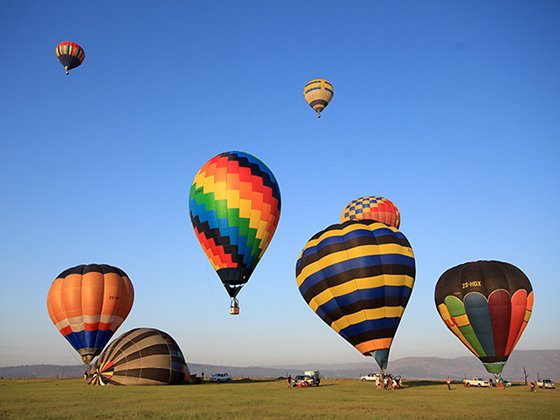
[318,93]
[357,277]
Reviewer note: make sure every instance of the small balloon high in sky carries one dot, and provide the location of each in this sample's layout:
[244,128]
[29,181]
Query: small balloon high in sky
[70,55]
[318,93]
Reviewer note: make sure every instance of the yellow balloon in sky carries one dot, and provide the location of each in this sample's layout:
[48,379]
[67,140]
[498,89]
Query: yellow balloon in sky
[318,93]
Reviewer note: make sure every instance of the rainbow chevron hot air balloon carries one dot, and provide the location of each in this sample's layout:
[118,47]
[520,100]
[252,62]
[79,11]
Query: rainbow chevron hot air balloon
[234,207]
[358,277]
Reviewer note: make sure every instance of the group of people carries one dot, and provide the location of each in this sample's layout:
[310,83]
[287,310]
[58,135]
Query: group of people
[388,382]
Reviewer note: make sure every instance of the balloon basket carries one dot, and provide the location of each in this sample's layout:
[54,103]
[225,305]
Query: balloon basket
[234,307]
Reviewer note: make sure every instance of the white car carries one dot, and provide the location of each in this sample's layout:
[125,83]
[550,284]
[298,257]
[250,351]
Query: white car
[545,383]
[479,382]
[371,377]
[220,377]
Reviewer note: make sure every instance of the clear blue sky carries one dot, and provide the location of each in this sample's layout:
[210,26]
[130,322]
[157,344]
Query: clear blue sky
[450,109]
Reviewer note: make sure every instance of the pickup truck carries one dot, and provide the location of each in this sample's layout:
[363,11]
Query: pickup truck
[309,378]
[479,382]
[545,383]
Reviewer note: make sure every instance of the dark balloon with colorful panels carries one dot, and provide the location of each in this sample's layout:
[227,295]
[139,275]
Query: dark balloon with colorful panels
[357,277]
[487,305]
[70,55]
[234,205]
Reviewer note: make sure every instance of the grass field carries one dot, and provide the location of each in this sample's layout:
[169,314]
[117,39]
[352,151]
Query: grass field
[72,398]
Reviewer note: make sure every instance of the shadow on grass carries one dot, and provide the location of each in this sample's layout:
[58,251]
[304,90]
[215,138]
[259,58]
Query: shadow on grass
[242,381]
[412,384]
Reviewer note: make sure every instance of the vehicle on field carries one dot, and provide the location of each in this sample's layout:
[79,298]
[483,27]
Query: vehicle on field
[545,383]
[220,377]
[479,382]
[309,378]
[376,377]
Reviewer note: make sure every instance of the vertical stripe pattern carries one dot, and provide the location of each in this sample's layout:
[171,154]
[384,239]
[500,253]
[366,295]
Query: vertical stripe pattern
[487,305]
[88,303]
[234,206]
[358,277]
[142,356]
[70,55]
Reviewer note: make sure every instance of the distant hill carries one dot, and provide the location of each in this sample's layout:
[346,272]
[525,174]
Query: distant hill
[545,363]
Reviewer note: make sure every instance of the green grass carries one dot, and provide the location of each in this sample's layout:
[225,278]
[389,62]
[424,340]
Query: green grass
[72,398]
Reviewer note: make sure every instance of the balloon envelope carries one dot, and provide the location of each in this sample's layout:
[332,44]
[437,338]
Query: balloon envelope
[88,303]
[487,305]
[318,94]
[142,356]
[70,55]
[234,206]
[372,208]
[357,277]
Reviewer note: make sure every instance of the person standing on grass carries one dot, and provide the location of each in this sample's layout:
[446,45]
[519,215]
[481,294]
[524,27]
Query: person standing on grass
[290,381]
[448,383]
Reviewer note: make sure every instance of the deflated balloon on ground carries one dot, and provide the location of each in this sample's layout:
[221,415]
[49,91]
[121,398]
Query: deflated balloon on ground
[142,356]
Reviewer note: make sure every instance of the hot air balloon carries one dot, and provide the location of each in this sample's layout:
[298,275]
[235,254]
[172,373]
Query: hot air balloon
[88,303]
[318,93]
[142,356]
[487,305]
[70,55]
[357,277]
[372,208]
[234,207]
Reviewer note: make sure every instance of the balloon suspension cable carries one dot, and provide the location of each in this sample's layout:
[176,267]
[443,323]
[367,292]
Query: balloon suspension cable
[234,307]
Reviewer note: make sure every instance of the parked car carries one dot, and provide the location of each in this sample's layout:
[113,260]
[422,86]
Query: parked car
[479,382]
[371,377]
[546,383]
[220,377]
